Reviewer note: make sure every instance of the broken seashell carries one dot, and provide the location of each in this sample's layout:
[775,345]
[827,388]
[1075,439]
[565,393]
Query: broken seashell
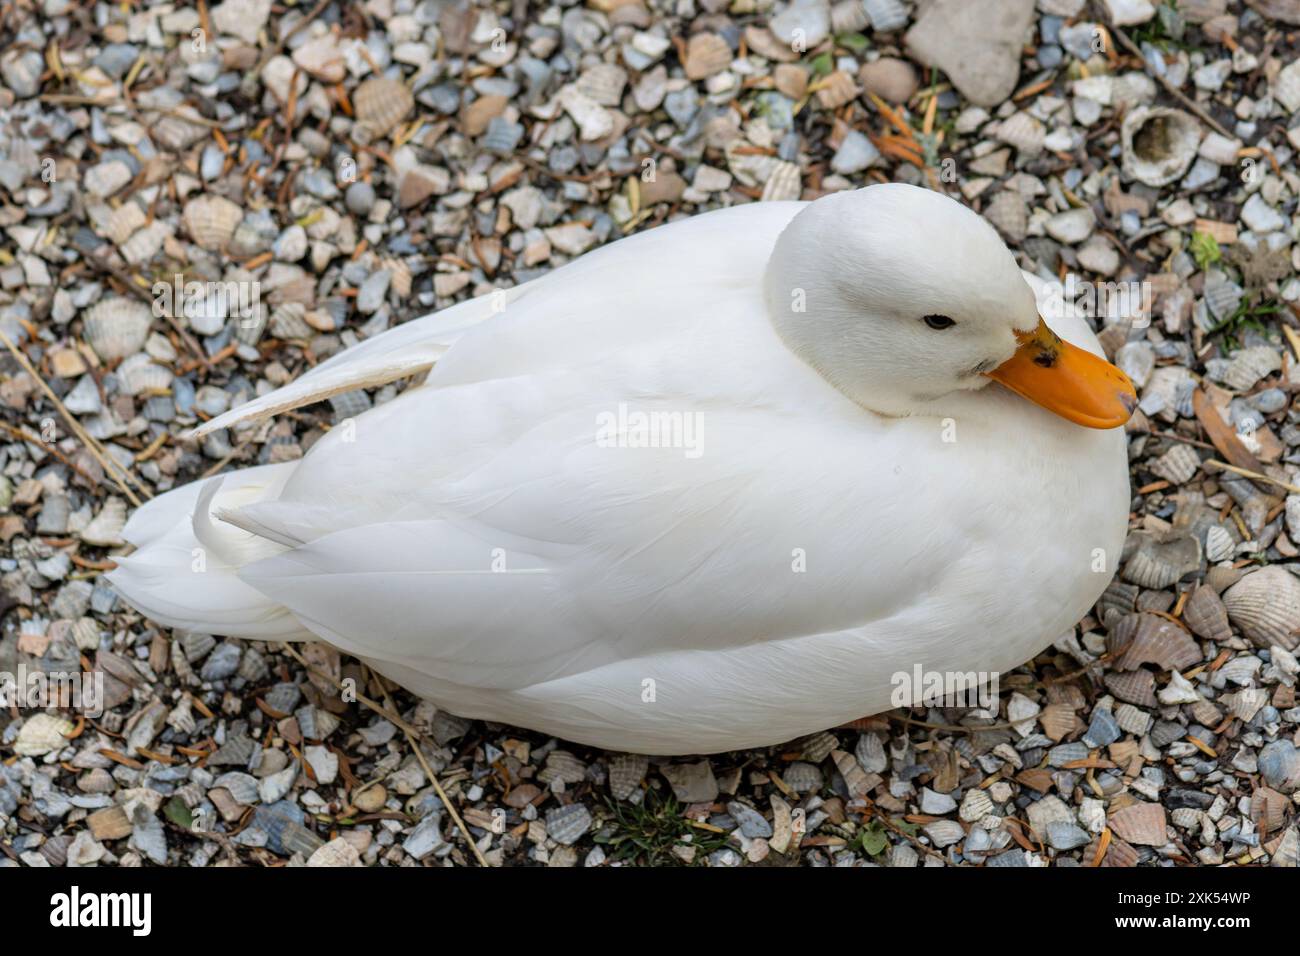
[706,55]
[1118,598]
[1246,703]
[1222,576]
[886,15]
[1158,144]
[241,786]
[1177,465]
[975,806]
[381,103]
[1058,721]
[802,777]
[1205,614]
[1149,639]
[139,374]
[116,327]
[1007,211]
[1219,545]
[288,322]
[626,771]
[858,782]
[42,734]
[783,183]
[566,825]
[1140,823]
[1135,687]
[1279,762]
[338,852]
[1023,132]
[1157,561]
[105,529]
[1249,365]
[211,220]
[563,767]
[1265,605]
[1268,809]
[849,16]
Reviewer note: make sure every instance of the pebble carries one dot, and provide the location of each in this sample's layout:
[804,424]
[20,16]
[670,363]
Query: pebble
[1259,216]
[691,782]
[1071,226]
[976,46]
[936,803]
[855,154]
[360,198]
[892,79]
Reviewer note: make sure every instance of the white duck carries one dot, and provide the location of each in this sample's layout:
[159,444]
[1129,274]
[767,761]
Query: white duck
[850,496]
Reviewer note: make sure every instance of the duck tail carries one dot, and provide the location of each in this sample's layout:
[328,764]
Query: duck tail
[184,571]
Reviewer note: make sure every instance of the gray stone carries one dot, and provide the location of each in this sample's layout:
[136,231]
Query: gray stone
[1065,835]
[855,154]
[692,782]
[976,44]
[752,823]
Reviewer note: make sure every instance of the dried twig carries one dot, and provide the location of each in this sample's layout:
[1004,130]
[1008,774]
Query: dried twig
[414,737]
[120,476]
[1252,475]
[23,434]
[387,711]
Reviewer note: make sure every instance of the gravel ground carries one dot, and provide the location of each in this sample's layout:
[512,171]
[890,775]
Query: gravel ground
[346,167]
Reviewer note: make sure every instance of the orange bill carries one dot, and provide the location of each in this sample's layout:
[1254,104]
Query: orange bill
[1067,380]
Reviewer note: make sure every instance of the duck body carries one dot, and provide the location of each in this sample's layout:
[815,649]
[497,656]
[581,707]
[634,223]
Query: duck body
[620,510]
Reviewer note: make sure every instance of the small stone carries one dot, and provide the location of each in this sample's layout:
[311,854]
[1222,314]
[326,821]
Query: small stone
[1127,13]
[360,198]
[855,154]
[420,182]
[1066,835]
[692,782]
[709,179]
[370,297]
[324,764]
[425,838]
[976,44]
[21,71]
[241,18]
[892,79]
[936,803]
[1259,216]
[1100,256]
[802,24]
[1071,226]
[1103,730]
[222,663]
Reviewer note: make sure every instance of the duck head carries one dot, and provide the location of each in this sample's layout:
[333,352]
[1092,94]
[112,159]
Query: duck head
[899,295]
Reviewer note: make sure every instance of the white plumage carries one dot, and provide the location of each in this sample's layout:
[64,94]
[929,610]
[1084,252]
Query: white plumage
[480,541]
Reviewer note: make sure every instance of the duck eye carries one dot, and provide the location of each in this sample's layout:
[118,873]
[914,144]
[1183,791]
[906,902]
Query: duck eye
[939,321]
